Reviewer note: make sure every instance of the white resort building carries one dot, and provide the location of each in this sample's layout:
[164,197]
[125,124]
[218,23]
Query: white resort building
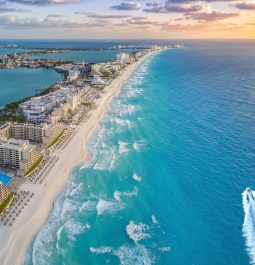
[48,108]
[17,154]
[123,58]
[43,133]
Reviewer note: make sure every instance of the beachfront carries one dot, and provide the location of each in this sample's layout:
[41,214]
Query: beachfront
[63,159]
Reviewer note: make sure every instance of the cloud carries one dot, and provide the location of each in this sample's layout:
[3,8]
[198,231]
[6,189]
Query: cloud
[245,5]
[192,1]
[127,5]
[154,8]
[14,22]
[44,2]
[54,16]
[99,16]
[178,7]
[140,21]
[182,8]
[5,8]
[211,16]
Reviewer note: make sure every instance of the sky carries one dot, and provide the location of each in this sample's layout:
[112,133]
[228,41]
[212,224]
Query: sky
[127,19]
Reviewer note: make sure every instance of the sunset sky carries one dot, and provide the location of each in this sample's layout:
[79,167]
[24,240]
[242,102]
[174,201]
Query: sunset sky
[116,19]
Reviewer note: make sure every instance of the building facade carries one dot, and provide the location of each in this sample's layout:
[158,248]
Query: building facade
[4,193]
[37,133]
[52,133]
[18,154]
[5,130]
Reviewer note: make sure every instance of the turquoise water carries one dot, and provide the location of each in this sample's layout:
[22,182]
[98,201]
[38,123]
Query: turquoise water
[86,56]
[18,83]
[4,51]
[5,179]
[170,161]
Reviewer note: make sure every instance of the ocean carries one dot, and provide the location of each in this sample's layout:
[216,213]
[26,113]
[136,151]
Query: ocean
[169,164]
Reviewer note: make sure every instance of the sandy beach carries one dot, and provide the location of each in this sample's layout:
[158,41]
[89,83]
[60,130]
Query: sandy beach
[16,239]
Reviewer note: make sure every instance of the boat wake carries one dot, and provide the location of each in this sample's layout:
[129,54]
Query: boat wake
[249,224]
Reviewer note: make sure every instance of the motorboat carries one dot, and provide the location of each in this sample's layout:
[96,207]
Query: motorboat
[250,194]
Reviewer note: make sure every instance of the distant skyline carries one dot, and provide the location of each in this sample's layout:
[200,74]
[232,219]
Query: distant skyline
[116,19]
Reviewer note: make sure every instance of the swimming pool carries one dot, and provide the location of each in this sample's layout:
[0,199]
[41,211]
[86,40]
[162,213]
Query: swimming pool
[5,179]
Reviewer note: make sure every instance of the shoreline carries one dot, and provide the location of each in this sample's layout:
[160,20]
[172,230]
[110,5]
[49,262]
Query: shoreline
[15,240]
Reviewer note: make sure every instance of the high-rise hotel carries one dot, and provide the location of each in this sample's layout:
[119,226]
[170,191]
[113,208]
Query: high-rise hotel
[17,154]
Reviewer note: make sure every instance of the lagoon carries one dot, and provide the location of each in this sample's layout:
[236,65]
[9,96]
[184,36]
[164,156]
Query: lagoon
[18,83]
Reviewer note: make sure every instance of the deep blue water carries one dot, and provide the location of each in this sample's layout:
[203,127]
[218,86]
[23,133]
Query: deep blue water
[170,161]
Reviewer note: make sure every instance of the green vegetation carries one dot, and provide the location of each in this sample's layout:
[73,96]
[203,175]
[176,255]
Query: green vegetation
[34,166]
[106,73]
[69,112]
[15,104]
[86,104]
[55,140]
[12,117]
[6,202]
[100,88]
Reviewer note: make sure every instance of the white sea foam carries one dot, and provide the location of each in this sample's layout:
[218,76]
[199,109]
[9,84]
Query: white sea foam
[42,248]
[69,207]
[120,121]
[58,239]
[138,145]
[128,109]
[138,231]
[133,93]
[105,159]
[103,156]
[107,207]
[249,226]
[88,226]
[123,147]
[88,206]
[154,219]
[136,177]
[131,193]
[76,190]
[117,195]
[137,255]
[165,249]
[101,250]
[73,228]
[127,255]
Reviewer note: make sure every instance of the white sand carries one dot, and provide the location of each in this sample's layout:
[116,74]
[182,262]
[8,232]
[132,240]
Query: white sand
[15,240]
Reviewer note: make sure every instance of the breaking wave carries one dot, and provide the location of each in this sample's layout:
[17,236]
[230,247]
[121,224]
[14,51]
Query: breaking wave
[136,177]
[106,207]
[117,194]
[127,255]
[249,226]
[137,232]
